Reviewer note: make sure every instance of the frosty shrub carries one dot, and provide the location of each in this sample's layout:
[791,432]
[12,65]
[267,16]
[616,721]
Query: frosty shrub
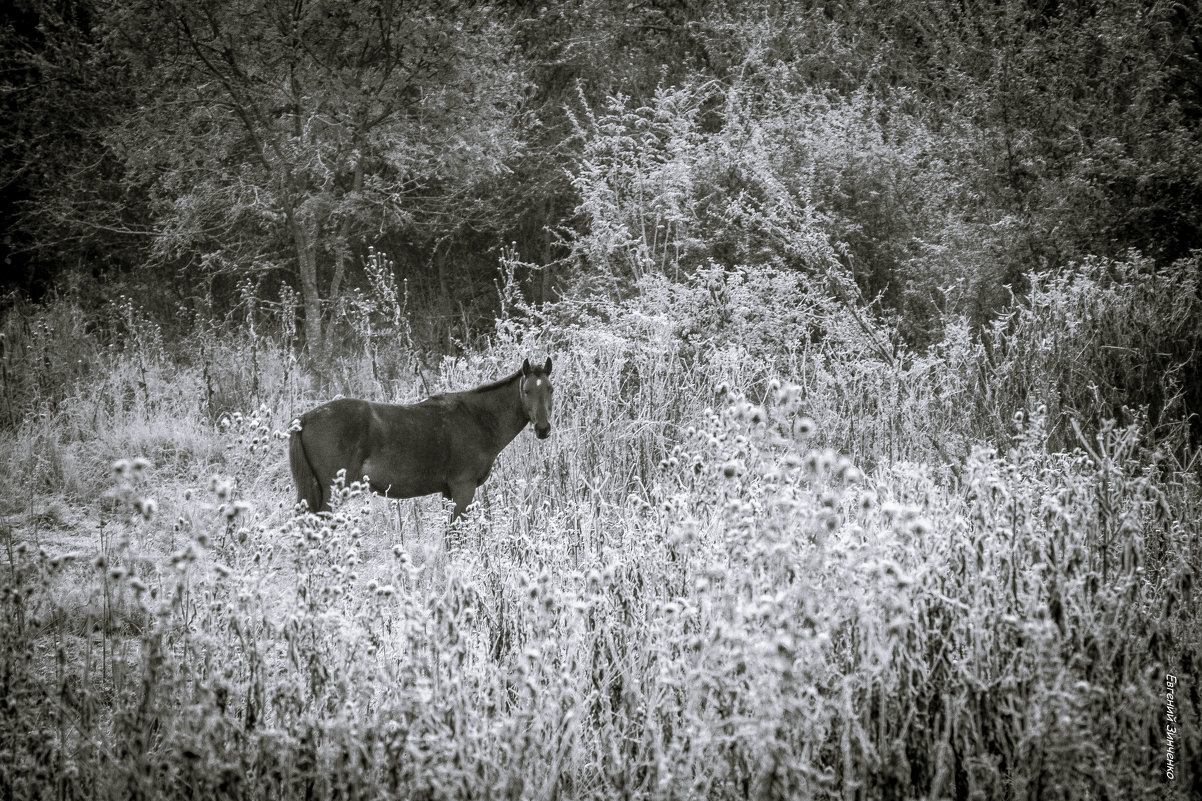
[1106,340]
[767,171]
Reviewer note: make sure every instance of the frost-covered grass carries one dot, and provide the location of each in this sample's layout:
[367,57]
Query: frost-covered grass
[754,560]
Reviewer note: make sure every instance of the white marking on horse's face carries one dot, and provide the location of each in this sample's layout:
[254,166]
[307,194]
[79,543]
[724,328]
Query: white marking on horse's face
[538,382]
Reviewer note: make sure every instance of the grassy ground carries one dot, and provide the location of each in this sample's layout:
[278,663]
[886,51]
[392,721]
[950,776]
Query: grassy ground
[735,570]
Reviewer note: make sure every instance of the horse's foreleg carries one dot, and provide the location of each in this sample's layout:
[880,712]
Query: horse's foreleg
[463,498]
[462,495]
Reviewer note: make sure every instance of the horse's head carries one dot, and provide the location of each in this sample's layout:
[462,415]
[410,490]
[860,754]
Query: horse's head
[536,392]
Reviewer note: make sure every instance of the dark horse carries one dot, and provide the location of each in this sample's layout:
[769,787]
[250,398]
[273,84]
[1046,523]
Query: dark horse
[446,443]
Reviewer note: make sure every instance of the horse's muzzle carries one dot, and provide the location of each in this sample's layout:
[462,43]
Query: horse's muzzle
[542,432]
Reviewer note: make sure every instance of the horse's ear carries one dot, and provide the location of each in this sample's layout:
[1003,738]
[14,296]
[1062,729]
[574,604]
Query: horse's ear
[525,367]
[547,366]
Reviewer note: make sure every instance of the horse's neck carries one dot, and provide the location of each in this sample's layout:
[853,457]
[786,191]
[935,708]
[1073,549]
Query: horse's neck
[505,407]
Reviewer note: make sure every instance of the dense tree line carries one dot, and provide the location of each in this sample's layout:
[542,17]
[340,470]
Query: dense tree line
[940,149]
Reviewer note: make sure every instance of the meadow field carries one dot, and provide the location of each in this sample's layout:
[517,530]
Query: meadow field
[759,557]
[875,465]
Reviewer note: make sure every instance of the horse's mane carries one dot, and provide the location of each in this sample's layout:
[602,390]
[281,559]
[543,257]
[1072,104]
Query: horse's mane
[500,382]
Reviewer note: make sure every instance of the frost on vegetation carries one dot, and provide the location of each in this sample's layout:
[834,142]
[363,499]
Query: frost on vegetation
[744,610]
[130,491]
[253,433]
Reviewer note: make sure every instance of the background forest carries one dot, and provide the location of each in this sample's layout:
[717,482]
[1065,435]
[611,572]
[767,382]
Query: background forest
[874,469]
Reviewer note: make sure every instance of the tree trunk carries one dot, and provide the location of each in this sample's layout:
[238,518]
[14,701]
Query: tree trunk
[444,297]
[342,245]
[306,262]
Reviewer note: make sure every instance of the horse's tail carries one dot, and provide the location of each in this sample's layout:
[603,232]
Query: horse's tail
[308,488]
